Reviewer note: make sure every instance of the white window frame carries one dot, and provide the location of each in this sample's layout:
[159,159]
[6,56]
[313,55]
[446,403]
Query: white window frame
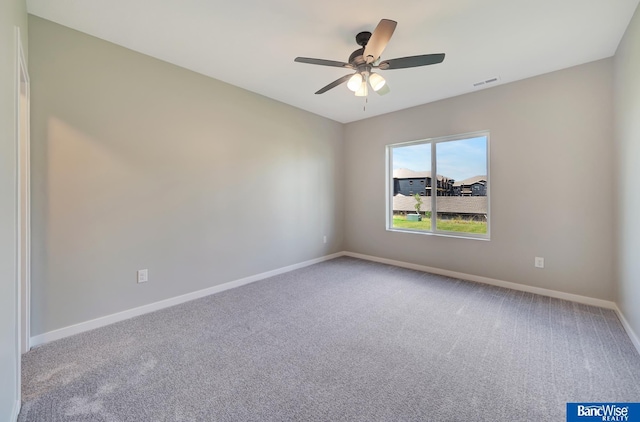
[434,186]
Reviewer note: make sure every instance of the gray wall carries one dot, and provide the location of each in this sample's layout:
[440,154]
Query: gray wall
[551,181]
[627,130]
[137,163]
[141,164]
[12,13]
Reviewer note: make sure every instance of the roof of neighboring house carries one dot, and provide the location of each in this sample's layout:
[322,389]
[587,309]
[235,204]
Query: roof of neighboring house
[410,174]
[448,204]
[470,181]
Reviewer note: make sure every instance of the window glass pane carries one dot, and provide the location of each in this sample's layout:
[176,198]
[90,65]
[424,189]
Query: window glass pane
[462,202]
[411,187]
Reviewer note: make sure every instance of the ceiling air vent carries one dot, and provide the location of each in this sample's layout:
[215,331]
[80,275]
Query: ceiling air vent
[487,82]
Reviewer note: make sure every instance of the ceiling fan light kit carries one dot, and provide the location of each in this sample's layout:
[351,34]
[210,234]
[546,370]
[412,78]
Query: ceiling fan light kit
[365,59]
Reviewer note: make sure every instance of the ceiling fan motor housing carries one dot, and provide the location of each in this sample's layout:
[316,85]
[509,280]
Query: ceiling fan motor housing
[357,57]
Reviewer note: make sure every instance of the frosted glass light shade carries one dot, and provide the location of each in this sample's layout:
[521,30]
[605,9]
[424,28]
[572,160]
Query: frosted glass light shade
[376,81]
[363,90]
[355,82]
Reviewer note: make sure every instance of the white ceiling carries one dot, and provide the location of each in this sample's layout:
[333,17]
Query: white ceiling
[252,43]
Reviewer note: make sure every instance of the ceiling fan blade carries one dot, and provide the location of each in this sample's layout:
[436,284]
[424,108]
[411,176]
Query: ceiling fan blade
[379,39]
[411,61]
[334,84]
[322,62]
[384,90]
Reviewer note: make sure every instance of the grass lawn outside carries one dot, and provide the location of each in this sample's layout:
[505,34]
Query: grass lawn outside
[460,226]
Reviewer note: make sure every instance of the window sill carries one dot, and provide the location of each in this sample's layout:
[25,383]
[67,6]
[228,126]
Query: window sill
[442,234]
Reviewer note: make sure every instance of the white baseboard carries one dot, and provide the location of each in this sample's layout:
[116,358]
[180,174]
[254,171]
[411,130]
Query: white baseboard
[16,411]
[485,280]
[627,327]
[130,313]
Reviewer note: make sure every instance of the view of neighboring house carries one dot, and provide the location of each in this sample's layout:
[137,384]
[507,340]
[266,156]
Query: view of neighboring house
[473,186]
[466,199]
[408,182]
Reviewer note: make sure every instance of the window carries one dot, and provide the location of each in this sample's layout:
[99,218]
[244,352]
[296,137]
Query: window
[459,196]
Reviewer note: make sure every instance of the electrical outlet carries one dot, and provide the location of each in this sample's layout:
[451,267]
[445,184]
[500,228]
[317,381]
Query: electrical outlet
[324,239]
[143,276]
[539,262]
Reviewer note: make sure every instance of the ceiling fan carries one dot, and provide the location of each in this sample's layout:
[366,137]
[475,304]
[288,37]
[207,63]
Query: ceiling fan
[364,59]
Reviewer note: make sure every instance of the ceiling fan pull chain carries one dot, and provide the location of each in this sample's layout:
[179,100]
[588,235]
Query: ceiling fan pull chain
[366,90]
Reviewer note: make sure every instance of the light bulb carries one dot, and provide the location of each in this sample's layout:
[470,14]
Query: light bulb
[363,90]
[376,81]
[354,82]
